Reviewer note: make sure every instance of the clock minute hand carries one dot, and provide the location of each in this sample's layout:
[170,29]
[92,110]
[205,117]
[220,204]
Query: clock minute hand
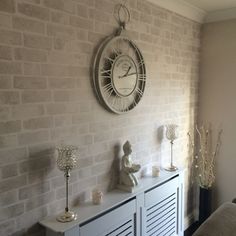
[126,75]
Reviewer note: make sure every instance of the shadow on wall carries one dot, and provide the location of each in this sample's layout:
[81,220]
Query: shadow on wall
[115,168]
[38,166]
[190,183]
[160,133]
[160,137]
[36,230]
[192,192]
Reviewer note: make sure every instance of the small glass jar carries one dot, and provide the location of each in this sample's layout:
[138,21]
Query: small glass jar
[97,197]
[155,171]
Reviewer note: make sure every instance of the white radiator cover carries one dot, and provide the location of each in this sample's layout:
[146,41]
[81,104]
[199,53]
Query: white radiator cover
[154,209]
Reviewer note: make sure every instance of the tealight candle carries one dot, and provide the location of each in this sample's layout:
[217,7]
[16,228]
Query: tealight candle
[97,197]
[155,171]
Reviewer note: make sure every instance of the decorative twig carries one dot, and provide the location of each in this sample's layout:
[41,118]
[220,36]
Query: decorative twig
[205,159]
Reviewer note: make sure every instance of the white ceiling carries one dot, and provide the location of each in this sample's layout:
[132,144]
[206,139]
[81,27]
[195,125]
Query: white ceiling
[213,5]
[201,10]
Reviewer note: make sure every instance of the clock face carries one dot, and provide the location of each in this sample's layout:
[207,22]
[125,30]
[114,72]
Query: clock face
[125,75]
[119,74]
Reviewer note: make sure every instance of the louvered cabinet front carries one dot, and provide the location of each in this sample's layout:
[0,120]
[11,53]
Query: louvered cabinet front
[161,210]
[118,222]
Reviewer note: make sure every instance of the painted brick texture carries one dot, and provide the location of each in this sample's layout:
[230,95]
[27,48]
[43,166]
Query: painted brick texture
[46,98]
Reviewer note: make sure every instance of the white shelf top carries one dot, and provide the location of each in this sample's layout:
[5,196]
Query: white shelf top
[86,211]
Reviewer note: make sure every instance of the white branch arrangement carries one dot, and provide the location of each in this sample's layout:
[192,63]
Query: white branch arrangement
[204,160]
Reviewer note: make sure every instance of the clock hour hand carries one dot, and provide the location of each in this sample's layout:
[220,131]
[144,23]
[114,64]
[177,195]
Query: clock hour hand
[126,73]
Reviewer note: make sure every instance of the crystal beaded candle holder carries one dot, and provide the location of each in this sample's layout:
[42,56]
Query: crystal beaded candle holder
[171,134]
[66,161]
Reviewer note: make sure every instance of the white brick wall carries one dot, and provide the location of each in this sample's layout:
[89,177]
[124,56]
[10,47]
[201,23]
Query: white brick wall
[46,97]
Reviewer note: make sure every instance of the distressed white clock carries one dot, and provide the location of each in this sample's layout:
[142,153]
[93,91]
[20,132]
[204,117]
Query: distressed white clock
[119,74]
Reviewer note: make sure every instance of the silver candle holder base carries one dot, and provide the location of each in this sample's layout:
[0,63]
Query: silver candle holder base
[171,168]
[67,216]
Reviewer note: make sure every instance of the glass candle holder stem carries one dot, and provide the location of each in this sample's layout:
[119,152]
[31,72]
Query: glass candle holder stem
[171,153]
[67,175]
[171,167]
[68,215]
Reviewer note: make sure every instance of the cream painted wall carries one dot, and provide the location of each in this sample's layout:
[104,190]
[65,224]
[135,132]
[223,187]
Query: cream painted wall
[217,100]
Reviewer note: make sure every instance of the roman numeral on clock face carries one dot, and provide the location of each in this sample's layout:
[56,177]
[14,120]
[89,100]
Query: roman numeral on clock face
[116,51]
[108,88]
[111,60]
[141,63]
[142,77]
[139,92]
[103,71]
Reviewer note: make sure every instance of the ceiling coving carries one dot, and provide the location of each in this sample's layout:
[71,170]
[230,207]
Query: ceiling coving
[201,10]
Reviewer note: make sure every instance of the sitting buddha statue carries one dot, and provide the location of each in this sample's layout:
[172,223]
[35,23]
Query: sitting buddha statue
[127,178]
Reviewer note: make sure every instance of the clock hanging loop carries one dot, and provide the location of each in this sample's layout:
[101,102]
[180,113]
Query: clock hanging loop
[122,15]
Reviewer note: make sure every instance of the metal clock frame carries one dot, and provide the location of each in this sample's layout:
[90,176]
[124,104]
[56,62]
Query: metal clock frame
[98,65]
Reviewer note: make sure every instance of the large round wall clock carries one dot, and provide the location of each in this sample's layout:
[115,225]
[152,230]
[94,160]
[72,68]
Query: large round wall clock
[119,73]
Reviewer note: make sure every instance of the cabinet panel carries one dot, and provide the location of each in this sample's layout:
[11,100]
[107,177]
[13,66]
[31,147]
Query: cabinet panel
[118,222]
[161,212]
[160,192]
